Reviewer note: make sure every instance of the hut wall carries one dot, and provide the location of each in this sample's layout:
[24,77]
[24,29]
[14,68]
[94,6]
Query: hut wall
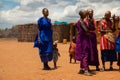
[27,32]
[73,30]
[61,32]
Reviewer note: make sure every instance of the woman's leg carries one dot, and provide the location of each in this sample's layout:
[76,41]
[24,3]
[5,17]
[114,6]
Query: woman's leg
[111,63]
[81,68]
[103,63]
[118,62]
[97,68]
[86,67]
[103,59]
[46,67]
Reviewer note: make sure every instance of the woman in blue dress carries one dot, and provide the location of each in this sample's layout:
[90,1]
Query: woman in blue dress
[43,40]
[118,45]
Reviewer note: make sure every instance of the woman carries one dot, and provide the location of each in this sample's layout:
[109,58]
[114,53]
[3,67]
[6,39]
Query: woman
[45,36]
[91,21]
[118,45]
[118,49]
[107,41]
[83,47]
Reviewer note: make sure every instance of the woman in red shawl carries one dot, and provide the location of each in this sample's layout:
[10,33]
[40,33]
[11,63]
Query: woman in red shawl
[107,41]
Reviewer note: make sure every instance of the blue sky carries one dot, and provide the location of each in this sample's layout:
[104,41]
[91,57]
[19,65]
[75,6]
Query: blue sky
[13,12]
[8,4]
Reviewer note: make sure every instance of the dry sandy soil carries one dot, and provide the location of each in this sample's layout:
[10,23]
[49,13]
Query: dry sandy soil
[20,61]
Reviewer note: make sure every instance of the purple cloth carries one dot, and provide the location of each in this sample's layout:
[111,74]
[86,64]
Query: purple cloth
[83,51]
[83,44]
[84,63]
[93,40]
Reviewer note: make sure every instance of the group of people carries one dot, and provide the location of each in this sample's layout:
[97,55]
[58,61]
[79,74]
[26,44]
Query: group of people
[84,46]
[86,43]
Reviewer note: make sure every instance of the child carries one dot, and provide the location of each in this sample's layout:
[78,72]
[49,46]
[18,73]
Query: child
[55,53]
[72,50]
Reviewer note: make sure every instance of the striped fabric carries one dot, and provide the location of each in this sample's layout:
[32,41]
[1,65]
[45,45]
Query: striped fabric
[105,44]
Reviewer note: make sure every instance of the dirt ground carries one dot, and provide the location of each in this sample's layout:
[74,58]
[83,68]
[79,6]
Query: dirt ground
[20,61]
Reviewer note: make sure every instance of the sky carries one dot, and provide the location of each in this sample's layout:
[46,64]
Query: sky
[14,12]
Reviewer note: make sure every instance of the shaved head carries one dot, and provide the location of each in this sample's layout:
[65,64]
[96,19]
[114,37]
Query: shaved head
[90,10]
[107,15]
[83,13]
[45,12]
[90,13]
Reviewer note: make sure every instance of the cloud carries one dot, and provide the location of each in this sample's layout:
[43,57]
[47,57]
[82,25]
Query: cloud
[70,13]
[17,16]
[4,23]
[62,10]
